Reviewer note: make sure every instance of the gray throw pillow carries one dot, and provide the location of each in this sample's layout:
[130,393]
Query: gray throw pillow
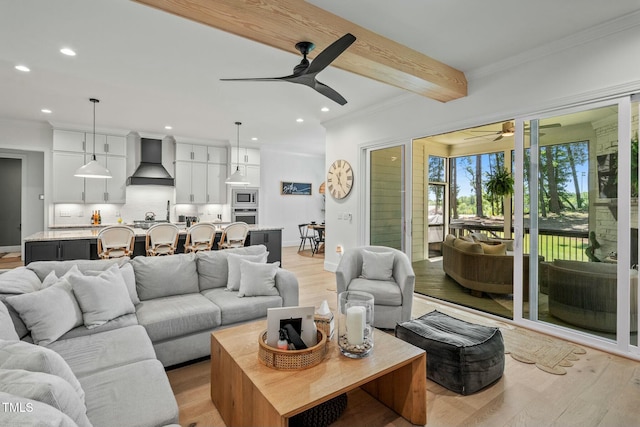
[7,329]
[19,280]
[52,277]
[163,276]
[213,268]
[103,297]
[129,277]
[258,279]
[35,358]
[377,265]
[34,413]
[233,281]
[45,388]
[48,313]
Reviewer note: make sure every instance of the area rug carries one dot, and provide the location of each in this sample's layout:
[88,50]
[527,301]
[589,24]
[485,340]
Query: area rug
[548,354]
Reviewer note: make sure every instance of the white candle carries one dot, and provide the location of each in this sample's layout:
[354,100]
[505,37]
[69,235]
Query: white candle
[356,317]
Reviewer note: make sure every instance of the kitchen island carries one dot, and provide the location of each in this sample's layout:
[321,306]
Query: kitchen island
[73,243]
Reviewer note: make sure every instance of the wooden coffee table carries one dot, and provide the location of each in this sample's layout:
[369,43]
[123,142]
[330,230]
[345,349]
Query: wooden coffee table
[248,393]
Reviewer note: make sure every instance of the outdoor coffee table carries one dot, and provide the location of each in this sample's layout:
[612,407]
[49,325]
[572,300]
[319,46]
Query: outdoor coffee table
[248,393]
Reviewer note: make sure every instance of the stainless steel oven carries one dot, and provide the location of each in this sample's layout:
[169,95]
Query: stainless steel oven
[248,215]
[244,197]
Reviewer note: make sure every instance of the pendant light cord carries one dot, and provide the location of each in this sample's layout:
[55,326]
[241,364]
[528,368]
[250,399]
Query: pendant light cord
[94,100]
[238,145]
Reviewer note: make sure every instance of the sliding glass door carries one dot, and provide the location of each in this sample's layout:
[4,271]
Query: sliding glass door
[576,211]
[386,202]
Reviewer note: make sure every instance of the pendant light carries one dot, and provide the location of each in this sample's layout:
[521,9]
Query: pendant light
[93,169]
[237,178]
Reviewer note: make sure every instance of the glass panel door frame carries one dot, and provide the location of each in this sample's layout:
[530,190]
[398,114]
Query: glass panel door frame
[365,196]
[622,343]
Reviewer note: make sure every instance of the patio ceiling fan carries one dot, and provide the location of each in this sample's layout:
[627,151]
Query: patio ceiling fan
[305,72]
[508,129]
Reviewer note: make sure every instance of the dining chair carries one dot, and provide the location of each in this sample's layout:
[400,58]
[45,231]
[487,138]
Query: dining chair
[116,241]
[234,235]
[200,237]
[162,239]
[318,241]
[305,236]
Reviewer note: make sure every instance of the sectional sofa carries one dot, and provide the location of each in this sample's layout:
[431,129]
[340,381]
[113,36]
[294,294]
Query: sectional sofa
[85,343]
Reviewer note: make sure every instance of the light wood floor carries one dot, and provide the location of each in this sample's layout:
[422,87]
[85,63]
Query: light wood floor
[599,390]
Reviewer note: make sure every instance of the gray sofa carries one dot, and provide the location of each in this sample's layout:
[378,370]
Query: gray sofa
[136,317]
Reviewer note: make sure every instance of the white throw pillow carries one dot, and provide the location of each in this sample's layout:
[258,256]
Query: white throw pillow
[377,265]
[103,297]
[45,388]
[48,313]
[233,261]
[35,358]
[258,279]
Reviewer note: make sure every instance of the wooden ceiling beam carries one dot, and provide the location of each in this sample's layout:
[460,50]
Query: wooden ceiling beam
[283,23]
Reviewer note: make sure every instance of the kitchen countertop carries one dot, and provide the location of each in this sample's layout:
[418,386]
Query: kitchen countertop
[88,232]
[101,226]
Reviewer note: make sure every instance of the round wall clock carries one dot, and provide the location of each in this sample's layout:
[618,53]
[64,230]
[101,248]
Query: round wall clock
[340,179]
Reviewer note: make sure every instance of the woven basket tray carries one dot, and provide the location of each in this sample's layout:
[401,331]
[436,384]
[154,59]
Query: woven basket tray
[291,359]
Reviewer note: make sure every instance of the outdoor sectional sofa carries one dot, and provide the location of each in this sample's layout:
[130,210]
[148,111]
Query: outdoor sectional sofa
[481,266]
[85,343]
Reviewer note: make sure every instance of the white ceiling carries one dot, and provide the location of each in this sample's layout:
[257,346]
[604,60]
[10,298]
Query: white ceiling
[150,69]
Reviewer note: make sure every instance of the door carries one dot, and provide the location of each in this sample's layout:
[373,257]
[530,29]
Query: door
[11,196]
[386,211]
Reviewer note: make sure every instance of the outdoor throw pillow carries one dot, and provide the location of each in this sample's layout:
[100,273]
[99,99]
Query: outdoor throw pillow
[48,313]
[233,260]
[103,297]
[45,388]
[258,279]
[35,358]
[377,265]
[499,249]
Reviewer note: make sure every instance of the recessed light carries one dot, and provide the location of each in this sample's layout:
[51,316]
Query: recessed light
[46,111]
[23,68]
[168,127]
[254,139]
[67,51]
[300,120]
[324,109]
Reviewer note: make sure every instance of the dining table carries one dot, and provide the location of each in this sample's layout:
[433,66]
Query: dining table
[320,231]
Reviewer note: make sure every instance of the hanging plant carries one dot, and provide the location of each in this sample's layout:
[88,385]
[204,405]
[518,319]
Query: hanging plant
[499,183]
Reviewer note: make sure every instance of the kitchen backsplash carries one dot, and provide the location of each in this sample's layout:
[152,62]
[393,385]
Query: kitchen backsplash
[140,200]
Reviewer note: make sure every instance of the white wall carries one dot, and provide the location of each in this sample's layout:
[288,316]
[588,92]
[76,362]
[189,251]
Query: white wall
[31,141]
[598,63]
[287,210]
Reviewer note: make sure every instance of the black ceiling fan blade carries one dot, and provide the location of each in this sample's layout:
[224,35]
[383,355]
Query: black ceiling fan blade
[329,93]
[330,53]
[259,79]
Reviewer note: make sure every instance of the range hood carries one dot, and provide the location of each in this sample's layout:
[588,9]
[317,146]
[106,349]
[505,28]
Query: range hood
[150,171]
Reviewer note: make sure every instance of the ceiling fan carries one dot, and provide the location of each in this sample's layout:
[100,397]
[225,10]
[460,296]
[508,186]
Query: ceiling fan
[508,129]
[305,72]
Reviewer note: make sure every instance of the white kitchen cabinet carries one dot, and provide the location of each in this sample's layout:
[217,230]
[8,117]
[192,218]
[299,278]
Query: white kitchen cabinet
[116,145]
[191,182]
[191,152]
[216,186]
[101,143]
[111,190]
[249,156]
[251,172]
[66,187]
[217,155]
[66,140]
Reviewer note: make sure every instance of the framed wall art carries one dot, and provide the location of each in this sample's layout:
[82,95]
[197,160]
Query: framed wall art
[295,188]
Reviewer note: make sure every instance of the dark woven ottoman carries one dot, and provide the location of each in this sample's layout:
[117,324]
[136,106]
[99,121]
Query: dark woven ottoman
[461,356]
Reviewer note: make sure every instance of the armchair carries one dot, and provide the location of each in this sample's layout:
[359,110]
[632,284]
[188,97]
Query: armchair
[393,298]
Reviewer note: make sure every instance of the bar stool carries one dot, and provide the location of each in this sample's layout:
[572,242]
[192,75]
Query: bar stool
[116,241]
[200,237]
[162,239]
[234,235]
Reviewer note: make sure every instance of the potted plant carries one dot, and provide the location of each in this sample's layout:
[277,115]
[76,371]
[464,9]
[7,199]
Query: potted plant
[499,184]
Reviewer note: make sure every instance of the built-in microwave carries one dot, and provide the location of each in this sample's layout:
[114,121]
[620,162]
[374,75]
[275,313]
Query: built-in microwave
[244,197]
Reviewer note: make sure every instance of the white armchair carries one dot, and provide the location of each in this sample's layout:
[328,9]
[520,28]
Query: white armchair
[391,285]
